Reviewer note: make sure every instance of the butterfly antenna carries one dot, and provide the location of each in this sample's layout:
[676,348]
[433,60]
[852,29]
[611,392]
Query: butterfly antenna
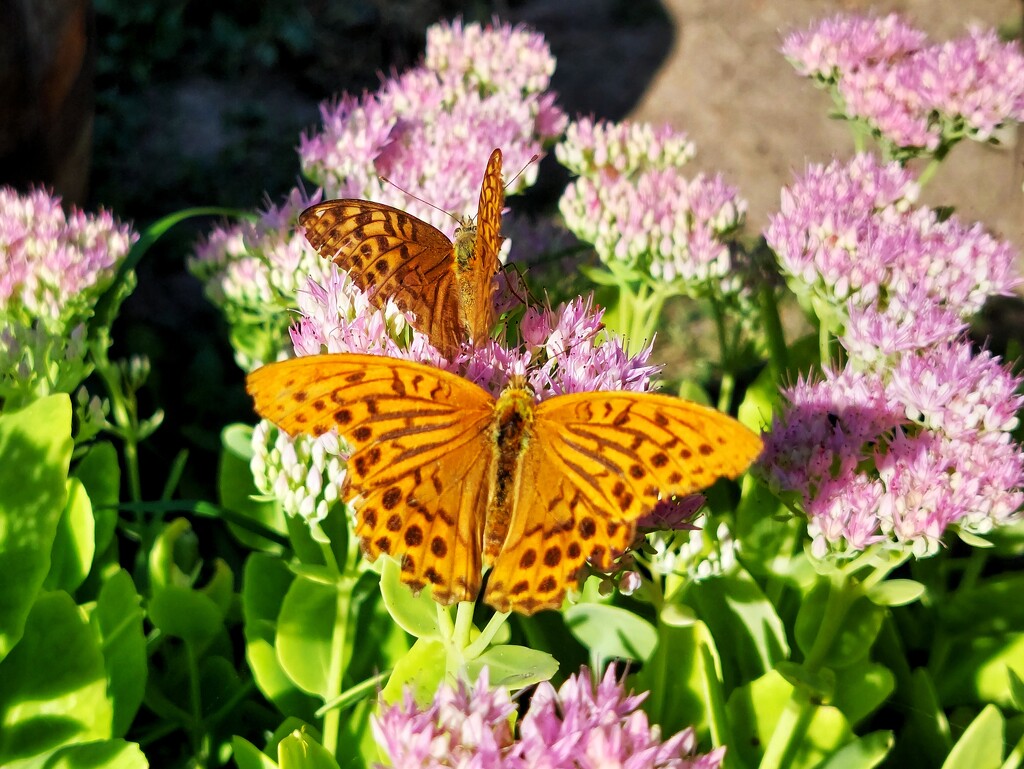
[386,180]
[519,173]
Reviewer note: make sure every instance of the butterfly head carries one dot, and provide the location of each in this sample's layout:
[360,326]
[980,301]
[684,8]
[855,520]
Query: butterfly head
[465,241]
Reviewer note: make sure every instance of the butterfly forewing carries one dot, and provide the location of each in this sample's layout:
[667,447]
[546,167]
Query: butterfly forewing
[476,280]
[392,255]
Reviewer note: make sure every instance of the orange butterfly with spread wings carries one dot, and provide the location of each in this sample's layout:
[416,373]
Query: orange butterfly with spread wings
[450,480]
[448,287]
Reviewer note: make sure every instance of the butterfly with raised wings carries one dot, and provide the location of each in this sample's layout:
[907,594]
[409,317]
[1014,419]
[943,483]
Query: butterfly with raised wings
[449,479]
[447,287]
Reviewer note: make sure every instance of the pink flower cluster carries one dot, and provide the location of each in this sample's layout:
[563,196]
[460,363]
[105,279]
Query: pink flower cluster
[639,211]
[431,129]
[894,277]
[56,265]
[253,270]
[899,459]
[563,349]
[578,726]
[595,148]
[913,435]
[914,95]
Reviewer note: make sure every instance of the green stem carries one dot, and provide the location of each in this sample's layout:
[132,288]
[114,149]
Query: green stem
[195,732]
[778,354]
[929,171]
[336,667]
[463,624]
[483,640]
[824,344]
[725,356]
[123,419]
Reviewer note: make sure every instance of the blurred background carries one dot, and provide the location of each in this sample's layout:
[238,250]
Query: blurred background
[146,107]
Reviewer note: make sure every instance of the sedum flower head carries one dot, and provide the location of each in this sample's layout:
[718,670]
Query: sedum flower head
[914,96]
[578,726]
[898,458]
[431,129]
[639,212]
[304,474]
[253,271]
[56,265]
[603,149]
[861,258]
[829,48]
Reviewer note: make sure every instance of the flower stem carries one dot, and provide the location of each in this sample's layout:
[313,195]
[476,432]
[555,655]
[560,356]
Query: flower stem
[778,354]
[336,667]
[483,640]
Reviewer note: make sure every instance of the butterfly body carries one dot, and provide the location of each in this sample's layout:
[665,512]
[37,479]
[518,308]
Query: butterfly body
[448,479]
[447,287]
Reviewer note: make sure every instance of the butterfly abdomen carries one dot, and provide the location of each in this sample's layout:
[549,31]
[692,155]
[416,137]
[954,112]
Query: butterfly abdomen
[512,431]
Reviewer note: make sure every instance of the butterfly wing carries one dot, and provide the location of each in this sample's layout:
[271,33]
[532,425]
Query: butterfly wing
[392,255]
[421,452]
[595,463]
[476,280]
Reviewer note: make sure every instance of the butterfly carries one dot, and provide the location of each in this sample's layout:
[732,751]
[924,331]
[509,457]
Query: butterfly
[448,287]
[449,479]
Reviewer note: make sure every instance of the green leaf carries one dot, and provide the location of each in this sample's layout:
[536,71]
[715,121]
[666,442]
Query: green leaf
[54,689]
[185,613]
[221,587]
[73,543]
[973,540]
[754,712]
[248,756]
[989,607]
[513,667]
[1016,690]
[176,540]
[861,688]
[300,751]
[415,614]
[237,490]
[819,685]
[611,632]
[759,402]
[100,473]
[422,668]
[305,632]
[896,592]
[680,677]
[734,608]
[124,281]
[117,622]
[265,582]
[105,754]
[976,670]
[863,753]
[981,745]
[925,739]
[35,451]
